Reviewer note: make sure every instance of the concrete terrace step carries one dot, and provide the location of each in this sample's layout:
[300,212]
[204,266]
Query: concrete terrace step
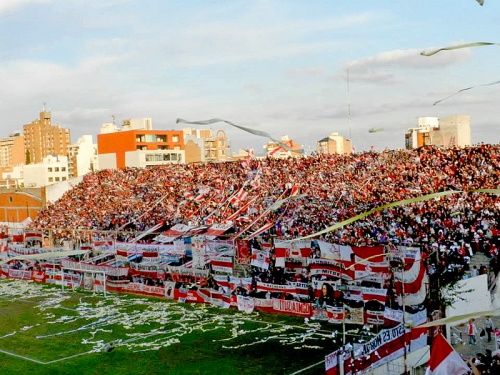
[479,259]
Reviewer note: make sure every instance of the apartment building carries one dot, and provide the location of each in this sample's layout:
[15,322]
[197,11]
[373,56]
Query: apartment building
[42,139]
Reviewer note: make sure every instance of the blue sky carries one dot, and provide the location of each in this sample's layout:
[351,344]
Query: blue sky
[276,66]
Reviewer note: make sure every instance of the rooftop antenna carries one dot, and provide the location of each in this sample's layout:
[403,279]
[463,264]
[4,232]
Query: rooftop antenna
[113,118]
[43,109]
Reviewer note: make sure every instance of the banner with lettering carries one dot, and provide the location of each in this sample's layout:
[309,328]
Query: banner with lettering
[383,348]
[328,268]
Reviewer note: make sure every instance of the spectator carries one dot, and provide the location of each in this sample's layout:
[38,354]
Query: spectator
[488,327]
[471,331]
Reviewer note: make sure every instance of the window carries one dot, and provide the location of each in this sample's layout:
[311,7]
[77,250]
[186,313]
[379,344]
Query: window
[64,179]
[161,138]
[49,169]
[56,169]
[63,169]
[163,147]
[58,179]
[175,138]
[51,179]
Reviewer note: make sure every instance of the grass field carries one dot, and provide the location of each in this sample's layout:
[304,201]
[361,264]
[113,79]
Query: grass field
[44,330]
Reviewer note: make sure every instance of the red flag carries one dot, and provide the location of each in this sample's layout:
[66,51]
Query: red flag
[444,359]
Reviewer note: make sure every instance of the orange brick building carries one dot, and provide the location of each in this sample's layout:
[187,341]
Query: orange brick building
[19,204]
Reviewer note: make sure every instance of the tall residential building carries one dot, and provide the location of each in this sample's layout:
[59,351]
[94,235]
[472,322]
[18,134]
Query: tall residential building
[11,151]
[334,144]
[42,139]
[445,132]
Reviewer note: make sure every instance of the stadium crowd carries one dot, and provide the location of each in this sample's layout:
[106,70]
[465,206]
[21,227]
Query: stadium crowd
[333,188]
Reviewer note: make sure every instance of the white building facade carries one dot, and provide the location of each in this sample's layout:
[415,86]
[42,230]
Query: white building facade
[53,169]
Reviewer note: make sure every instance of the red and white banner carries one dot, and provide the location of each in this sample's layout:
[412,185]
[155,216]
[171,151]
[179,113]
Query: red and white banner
[330,250]
[38,276]
[329,269]
[293,249]
[33,235]
[374,294]
[383,348]
[331,363]
[393,314]
[260,258]
[172,233]
[410,281]
[243,251]
[293,288]
[292,307]
[218,229]
[222,264]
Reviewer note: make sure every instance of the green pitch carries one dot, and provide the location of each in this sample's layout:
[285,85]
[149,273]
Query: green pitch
[44,330]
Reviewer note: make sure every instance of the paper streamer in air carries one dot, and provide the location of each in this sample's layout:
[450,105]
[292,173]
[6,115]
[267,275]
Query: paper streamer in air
[249,130]
[467,88]
[467,45]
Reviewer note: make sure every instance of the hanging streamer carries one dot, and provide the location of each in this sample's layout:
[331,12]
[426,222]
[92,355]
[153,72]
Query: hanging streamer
[249,130]
[383,207]
[394,204]
[467,88]
[467,45]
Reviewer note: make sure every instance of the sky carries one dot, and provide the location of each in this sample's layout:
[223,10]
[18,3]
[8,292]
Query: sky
[304,69]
